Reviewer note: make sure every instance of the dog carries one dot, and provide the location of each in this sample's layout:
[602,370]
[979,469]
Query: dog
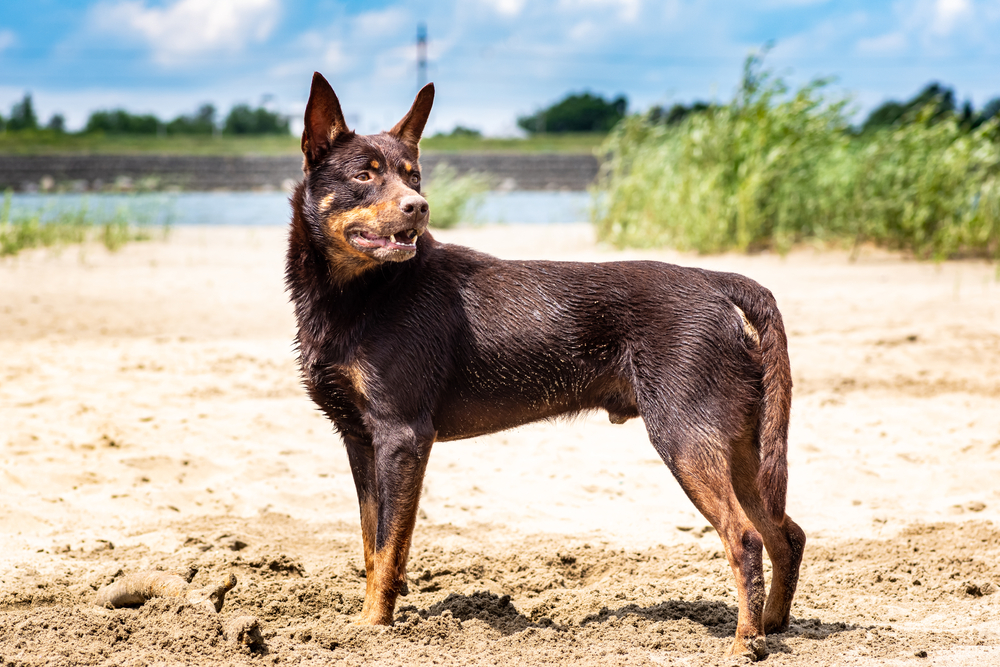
[404,341]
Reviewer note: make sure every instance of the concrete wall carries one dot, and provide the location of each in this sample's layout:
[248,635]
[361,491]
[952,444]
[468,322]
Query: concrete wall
[99,172]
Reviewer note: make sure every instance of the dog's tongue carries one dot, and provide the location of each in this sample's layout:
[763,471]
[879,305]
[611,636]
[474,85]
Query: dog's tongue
[375,240]
[385,242]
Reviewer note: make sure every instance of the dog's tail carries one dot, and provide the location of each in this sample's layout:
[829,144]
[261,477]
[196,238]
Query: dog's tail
[760,311]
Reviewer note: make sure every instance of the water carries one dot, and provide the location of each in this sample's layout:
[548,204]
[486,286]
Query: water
[271,208]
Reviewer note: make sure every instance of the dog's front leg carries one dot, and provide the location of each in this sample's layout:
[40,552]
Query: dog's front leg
[361,454]
[400,457]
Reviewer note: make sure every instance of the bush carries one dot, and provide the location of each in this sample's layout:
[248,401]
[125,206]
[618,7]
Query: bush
[769,170]
[120,121]
[201,122]
[576,113]
[22,115]
[453,198]
[244,120]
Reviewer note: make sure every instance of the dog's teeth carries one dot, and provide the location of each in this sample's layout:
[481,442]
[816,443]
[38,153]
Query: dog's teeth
[392,238]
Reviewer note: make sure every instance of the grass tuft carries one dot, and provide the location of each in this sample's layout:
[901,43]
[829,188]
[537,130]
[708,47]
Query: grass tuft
[453,198]
[53,226]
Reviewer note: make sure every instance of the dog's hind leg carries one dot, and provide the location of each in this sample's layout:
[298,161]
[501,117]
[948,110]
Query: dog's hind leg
[784,540]
[400,459]
[701,464]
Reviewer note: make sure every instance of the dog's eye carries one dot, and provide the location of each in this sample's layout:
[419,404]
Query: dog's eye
[363,176]
[414,179]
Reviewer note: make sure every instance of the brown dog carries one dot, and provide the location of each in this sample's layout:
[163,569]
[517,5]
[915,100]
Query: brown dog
[405,341]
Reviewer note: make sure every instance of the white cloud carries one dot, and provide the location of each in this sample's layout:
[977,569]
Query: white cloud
[334,57]
[628,10]
[384,23]
[784,4]
[506,7]
[7,39]
[185,28]
[888,44]
[948,13]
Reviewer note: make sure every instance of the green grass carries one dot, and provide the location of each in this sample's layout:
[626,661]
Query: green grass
[44,142]
[50,226]
[773,169]
[586,142]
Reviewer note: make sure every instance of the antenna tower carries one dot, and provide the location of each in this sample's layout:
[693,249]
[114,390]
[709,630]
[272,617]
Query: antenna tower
[421,55]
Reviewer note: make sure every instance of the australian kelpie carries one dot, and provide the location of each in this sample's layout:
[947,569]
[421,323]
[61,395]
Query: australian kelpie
[405,341]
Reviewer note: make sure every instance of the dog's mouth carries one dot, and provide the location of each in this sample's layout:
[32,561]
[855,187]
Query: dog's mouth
[404,240]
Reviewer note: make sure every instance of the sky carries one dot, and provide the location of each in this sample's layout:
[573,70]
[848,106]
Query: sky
[490,60]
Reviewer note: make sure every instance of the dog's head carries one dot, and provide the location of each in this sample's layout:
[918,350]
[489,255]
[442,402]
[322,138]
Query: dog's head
[362,192]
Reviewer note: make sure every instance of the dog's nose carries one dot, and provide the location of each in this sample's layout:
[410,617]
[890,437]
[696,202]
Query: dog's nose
[414,205]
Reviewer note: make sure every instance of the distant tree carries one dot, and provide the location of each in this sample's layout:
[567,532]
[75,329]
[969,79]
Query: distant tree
[940,98]
[462,131]
[22,115]
[57,123]
[577,113]
[989,111]
[244,120]
[201,122]
[119,121]
[676,113]
[884,115]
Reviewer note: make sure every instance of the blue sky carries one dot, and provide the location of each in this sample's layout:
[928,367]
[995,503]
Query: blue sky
[490,59]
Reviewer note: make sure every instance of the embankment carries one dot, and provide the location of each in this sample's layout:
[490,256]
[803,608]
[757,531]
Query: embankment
[507,171]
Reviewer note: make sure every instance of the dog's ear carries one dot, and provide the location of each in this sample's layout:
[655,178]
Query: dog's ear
[411,127]
[324,121]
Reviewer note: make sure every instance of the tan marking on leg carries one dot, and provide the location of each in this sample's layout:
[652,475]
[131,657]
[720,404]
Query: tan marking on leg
[748,328]
[369,520]
[356,375]
[383,583]
[707,481]
[390,561]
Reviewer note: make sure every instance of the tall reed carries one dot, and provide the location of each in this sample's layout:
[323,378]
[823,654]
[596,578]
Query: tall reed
[771,169]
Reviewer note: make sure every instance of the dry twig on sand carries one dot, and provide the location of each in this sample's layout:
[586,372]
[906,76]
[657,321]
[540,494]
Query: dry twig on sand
[136,589]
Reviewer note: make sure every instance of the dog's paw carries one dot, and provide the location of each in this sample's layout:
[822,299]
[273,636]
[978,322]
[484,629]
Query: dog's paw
[750,648]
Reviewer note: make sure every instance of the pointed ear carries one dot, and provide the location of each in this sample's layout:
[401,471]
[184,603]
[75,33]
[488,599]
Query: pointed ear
[324,121]
[411,127]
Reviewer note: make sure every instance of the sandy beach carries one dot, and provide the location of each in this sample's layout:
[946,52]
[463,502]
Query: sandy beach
[151,416]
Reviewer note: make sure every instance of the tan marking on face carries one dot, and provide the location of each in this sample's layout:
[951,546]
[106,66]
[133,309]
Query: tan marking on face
[365,217]
[748,328]
[407,166]
[326,202]
[347,261]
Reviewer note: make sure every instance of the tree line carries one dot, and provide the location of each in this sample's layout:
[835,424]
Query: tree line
[241,119]
[577,112]
[586,112]
[933,103]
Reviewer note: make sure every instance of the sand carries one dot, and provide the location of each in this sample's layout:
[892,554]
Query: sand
[151,417]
